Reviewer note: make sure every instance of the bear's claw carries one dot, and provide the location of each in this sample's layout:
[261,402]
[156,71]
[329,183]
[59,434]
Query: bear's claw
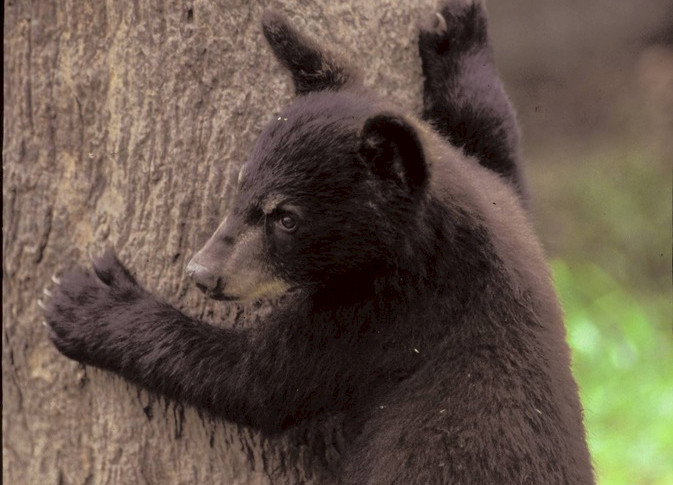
[440,23]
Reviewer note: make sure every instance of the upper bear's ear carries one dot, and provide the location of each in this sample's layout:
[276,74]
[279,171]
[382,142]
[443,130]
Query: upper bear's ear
[392,149]
[312,69]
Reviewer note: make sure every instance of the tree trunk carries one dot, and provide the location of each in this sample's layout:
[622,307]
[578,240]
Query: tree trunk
[125,124]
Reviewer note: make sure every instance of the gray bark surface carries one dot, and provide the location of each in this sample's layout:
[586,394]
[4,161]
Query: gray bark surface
[125,124]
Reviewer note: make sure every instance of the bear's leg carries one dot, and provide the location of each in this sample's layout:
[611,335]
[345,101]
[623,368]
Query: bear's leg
[104,318]
[464,98]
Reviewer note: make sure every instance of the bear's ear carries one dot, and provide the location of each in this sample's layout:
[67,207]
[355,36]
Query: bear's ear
[312,69]
[392,149]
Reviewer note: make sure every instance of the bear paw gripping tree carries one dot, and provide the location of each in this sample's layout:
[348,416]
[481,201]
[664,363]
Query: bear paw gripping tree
[416,300]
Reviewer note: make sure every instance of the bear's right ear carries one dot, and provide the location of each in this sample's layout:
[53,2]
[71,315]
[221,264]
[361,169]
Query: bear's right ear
[391,148]
[312,69]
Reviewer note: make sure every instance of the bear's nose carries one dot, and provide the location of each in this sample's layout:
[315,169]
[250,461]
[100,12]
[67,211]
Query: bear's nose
[205,280]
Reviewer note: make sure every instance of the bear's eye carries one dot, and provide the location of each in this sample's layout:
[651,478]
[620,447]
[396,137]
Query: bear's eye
[287,222]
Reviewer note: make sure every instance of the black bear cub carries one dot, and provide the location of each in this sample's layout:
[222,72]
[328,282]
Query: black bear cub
[417,302]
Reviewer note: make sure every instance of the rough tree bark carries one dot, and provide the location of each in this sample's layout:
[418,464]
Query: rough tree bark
[124,125]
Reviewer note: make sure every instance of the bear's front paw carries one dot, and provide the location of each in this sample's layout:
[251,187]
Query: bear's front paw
[460,25]
[85,312]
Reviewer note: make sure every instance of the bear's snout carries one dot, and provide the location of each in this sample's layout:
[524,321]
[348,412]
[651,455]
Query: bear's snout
[205,280]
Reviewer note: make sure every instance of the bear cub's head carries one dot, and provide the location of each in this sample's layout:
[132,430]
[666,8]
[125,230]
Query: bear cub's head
[329,192]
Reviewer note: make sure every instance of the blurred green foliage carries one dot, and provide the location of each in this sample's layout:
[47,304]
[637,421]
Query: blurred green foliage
[622,351]
[609,223]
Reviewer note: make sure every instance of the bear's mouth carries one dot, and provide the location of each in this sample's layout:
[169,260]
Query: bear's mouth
[222,296]
[217,292]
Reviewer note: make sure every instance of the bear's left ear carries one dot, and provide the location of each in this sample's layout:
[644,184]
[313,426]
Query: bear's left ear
[312,68]
[390,146]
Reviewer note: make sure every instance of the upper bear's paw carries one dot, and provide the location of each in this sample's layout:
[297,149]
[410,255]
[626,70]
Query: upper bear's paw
[458,26]
[287,43]
[275,24]
[312,67]
[83,310]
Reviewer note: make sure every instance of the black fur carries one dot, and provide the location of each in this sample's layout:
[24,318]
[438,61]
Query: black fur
[393,150]
[312,69]
[464,98]
[418,301]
